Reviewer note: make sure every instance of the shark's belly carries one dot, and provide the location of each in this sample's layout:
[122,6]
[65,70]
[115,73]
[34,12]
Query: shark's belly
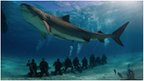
[62,35]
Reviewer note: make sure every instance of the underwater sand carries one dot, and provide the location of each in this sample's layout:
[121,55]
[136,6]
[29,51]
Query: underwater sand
[13,70]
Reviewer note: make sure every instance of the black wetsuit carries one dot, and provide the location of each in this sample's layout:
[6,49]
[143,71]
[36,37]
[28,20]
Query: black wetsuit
[58,66]
[84,63]
[68,64]
[92,61]
[44,68]
[76,64]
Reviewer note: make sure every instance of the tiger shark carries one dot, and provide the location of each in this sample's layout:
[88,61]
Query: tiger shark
[62,28]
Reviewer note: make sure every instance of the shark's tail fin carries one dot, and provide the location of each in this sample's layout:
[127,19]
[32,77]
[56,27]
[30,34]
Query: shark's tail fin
[116,34]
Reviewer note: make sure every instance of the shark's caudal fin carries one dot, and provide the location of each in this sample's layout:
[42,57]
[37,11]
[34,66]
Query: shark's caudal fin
[116,34]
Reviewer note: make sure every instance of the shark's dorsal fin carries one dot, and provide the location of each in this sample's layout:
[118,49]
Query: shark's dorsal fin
[65,18]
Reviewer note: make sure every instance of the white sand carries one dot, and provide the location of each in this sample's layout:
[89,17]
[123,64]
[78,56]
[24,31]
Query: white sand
[11,69]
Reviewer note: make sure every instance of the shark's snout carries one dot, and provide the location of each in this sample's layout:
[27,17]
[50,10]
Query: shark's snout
[25,5]
[28,7]
[32,11]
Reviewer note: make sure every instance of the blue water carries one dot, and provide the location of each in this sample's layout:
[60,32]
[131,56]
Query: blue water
[23,40]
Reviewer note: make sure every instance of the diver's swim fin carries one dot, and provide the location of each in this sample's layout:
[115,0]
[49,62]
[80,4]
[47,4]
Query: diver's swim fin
[116,34]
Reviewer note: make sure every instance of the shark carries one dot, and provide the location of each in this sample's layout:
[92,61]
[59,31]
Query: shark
[62,28]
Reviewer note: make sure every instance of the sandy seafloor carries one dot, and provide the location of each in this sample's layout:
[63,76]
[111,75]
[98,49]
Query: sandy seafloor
[15,69]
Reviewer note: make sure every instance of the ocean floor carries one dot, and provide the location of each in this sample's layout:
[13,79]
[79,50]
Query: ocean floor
[12,69]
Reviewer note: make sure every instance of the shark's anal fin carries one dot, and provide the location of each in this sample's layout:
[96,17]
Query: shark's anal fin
[65,18]
[47,26]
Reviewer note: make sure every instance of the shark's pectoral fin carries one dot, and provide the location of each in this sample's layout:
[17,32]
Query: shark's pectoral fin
[65,18]
[47,26]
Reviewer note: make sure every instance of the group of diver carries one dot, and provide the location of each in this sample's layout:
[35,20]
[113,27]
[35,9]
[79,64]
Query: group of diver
[64,67]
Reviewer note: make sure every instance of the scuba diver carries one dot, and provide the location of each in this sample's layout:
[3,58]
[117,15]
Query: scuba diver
[103,59]
[30,68]
[84,63]
[68,64]
[33,68]
[76,64]
[92,60]
[98,61]
[58,66]
[43,68]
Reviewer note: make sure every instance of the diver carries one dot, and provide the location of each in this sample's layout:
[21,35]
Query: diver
[43,68]
[98,61]
[103,59]
[84,63]
[76,64]
[30,68]
[68,64]
[33,68]
[58,66]
[92,60]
